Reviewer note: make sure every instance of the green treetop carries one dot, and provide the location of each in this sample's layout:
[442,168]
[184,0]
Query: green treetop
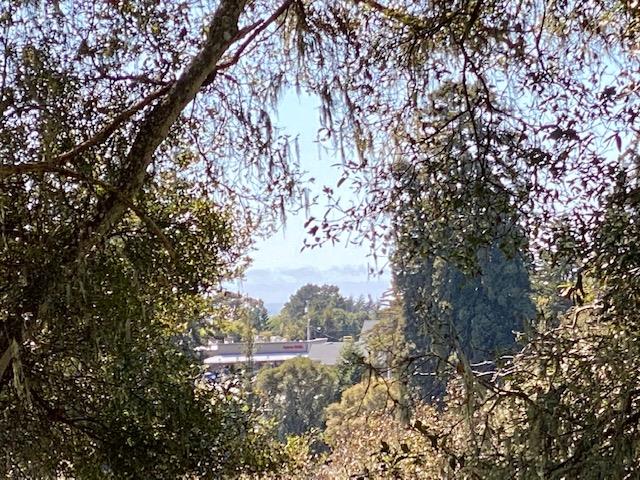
[324,310]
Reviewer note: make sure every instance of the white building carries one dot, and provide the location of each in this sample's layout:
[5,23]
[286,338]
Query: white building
[220,355]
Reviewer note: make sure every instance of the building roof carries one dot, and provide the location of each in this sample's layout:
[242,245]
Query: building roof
[318,350]
[257,358]
[367,326]
[326,353]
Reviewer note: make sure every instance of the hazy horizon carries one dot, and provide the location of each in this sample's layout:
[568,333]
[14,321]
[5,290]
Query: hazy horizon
[274,286]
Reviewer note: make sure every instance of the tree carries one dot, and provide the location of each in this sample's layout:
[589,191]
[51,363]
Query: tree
[461,296]
[116,218]
[561,407]
[350,366]
[449,312]
[370,397]
[130,408]
[551,282]
[296,393]
[519,73]
[566,71]
[237,316]
[324,309]
[368,439]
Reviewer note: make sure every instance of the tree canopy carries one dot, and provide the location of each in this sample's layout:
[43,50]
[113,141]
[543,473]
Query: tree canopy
[296,393]
[120,209]
[324,310]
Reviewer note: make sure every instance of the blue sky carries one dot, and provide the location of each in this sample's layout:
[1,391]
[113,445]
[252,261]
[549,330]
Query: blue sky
[280,267]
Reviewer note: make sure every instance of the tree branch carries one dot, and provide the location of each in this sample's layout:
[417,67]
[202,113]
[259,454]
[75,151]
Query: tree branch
[108,130]
[101,136]
[223,29]
[151,225]
[236,56]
